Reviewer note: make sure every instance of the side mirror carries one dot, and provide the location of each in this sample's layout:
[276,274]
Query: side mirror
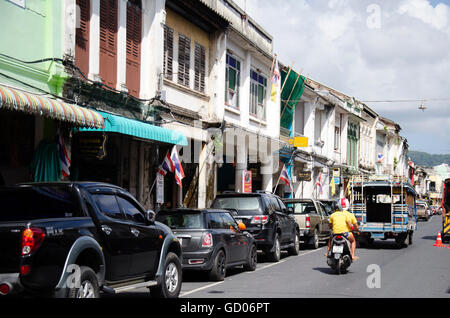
[242,226]
[290,210]
[150,216]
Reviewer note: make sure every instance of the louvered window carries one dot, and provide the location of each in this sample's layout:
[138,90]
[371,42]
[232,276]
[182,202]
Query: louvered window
[82,37]
[200,68]
[168,53]
[108,42]
[184,59]
[134,36]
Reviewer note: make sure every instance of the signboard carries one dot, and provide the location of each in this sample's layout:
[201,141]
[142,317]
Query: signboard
[336,172]
[304,176]
[90,145]
[301,142]
[247,181]
[337,180]
[159,188]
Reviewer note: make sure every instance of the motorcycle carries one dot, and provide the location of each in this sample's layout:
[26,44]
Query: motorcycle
[339,257]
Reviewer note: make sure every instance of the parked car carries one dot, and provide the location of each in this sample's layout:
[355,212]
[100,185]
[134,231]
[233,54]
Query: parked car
[422,210]
[50,232]
[327,206]
[312,219]
[211,240]
[266,218]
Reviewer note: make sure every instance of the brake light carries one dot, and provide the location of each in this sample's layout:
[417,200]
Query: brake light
[25,270]
[31,240]
[339,237]
[308,222]
[207,240]
[260,219]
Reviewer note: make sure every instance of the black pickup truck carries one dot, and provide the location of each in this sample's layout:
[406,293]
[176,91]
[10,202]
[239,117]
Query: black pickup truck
[76,239]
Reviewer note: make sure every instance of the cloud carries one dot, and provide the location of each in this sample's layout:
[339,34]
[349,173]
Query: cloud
[404,55]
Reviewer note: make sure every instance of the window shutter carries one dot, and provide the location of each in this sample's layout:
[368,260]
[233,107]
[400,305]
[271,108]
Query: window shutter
[134,36]
[168,52]
[82,37]
[108,42]
[200,68]
[184,59]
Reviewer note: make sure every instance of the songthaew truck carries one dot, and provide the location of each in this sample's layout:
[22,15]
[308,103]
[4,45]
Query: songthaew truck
[385,208]
[446,211]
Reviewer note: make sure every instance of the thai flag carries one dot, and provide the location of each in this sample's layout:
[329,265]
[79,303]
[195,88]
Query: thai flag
[172,163]
[380,157]
[63,157]
[178,169]
[284,176]
[319,182]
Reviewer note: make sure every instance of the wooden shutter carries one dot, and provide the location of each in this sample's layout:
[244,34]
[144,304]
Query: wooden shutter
[168,52]
[134,36]
[108,42]
[82,37]
[200,68]
[184,59]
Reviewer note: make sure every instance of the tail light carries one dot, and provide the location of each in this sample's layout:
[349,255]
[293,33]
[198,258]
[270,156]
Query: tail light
[308,222]
[31,240]
[260,219]
[207,240]
[339,237]
[5,288]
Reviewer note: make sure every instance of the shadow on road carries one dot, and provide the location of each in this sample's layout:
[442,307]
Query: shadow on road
[325,270]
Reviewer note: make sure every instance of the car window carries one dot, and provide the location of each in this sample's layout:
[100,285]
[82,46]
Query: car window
[238,203]
[302,207]
[281,204]
[327,208]
[132,212]
[275,204]
[228,220]
[181,220]
[216,221]
[108,205]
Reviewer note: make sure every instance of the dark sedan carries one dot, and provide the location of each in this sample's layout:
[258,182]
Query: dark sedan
[211,240]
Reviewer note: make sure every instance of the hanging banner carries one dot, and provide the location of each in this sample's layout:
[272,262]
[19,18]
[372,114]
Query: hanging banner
[159,188]
[247,181]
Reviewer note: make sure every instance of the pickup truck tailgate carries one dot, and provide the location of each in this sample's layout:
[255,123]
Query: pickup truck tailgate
[10,242]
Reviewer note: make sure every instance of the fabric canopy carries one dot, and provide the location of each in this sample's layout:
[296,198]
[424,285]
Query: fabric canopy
[126,126]
[293,86]
[14,99]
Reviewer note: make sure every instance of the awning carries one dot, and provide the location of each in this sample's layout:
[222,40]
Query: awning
[131,127]
[14,99]
[293,86]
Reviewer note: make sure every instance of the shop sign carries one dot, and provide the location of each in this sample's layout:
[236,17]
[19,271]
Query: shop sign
[91,145]
[336,172]
[304,176]
[159,188]
[247,181]
[337,180]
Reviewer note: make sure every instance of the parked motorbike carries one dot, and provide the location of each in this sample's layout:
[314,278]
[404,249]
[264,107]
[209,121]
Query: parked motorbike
[339,257]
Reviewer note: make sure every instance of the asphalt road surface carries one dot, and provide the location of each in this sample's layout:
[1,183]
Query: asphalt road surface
[383,270]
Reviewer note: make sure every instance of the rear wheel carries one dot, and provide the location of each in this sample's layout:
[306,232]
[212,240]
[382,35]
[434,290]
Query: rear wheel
[315,240]
[295,249]
[252,259]
[275,255]
[87,288]
[218,270]
[170,286]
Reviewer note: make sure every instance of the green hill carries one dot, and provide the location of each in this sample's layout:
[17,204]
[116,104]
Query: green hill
[428,160]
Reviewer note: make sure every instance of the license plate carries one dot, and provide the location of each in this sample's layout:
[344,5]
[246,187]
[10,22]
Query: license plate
[338,249]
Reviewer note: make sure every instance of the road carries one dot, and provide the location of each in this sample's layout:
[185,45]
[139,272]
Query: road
[420,270]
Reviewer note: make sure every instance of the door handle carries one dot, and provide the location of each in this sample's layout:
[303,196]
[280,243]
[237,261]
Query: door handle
[106,229]
[135,232]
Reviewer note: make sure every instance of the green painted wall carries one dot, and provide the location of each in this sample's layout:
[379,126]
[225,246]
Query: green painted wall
[32,33]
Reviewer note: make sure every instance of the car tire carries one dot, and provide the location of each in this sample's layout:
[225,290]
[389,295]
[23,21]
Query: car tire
[252,259]
[315,240]
[218,271]
[295,250]
[170,286]
[275,255]
[88,286]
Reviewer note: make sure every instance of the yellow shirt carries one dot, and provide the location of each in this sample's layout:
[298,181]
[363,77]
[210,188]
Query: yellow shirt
[352,218]
[339,221]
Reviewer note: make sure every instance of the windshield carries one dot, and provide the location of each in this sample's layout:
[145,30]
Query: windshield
[238,203]
[180,220]
[302,207]
[37,202]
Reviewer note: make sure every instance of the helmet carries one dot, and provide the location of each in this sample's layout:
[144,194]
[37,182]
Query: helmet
[341,204]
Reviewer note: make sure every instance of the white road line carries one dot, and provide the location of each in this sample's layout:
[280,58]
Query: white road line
[258,269]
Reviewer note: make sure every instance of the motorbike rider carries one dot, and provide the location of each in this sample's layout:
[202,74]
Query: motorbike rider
[343,223]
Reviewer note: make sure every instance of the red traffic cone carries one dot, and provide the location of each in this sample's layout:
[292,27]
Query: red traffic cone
[439,241]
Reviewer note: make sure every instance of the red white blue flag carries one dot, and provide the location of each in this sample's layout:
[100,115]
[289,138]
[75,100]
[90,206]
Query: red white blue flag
[63,157]
[284,176]
[172,163]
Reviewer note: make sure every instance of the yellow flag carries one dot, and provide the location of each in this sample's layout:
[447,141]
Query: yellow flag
[276,79]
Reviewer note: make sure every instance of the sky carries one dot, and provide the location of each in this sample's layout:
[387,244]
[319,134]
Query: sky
[373,50]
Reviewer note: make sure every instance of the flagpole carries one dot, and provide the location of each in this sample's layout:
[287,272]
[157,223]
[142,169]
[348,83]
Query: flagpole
[278,179]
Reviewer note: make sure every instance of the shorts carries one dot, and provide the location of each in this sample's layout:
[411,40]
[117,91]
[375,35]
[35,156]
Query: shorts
[345,234]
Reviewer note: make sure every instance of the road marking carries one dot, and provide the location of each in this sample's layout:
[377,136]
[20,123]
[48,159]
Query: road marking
[270,265]
[200,288]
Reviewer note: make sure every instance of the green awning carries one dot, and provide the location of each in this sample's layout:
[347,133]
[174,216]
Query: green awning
[131,127]
[293,86]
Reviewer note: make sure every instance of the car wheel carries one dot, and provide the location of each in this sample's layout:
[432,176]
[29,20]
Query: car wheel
[275,255]
[315,240]
[295,250]
[170,286]
[88,285]
[252,259]
[218,270]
